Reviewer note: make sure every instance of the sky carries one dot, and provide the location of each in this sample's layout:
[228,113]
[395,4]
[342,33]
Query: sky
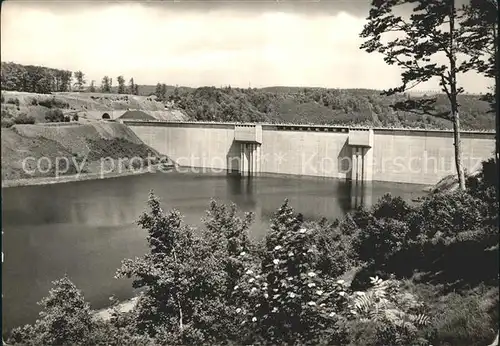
[311,43]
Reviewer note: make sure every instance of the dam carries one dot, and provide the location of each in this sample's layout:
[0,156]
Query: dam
[414,156]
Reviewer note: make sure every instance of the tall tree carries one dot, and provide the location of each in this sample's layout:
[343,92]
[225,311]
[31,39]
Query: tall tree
[479,35]
[80,79]
[121,85]
[136,89]
[92,87]
[424,45]
[163,92]
[106,84]
[175,95]
[158,92]
[179,277]
[131,86]
[65,80]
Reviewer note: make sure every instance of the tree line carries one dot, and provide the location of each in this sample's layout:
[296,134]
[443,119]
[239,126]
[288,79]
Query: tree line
[107,86]
[45,80]
[36,79]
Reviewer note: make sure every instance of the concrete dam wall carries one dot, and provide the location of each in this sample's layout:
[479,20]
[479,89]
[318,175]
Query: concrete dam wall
[393,155]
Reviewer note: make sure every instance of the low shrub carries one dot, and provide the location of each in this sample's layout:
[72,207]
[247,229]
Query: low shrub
[6,113]
[24,119]
[14,101]
[45,103]
[440,237]
[380,239]
[484,187]
[54,115]
[464,320]
[387,314]
[53,103]
[447,215]
[392,207]
[355,221]
[6,123]
[334,249]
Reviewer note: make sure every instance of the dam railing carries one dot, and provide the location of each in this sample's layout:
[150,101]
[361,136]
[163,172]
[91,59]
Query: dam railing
[299,127]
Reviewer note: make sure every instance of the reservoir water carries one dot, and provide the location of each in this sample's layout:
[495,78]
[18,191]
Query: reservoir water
[84,229]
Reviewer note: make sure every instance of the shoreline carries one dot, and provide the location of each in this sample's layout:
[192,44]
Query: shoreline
[75,177]
[152,169]
[123,306]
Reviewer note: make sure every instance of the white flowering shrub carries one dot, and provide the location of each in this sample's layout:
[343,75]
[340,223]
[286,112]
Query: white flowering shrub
[286,299]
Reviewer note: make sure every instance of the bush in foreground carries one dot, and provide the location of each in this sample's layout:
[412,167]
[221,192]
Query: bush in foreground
[285,297]
[213,286]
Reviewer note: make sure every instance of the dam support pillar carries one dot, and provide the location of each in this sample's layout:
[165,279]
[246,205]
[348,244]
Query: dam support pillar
[249,159]
[361,143]
[250,139]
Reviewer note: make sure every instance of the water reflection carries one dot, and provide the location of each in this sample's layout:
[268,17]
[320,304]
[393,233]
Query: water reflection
[242,191]
[361,193]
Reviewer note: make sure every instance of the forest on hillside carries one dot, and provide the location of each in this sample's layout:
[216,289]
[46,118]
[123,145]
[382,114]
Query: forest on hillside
[358,107]
[46,80]
[35,79]
[329,106]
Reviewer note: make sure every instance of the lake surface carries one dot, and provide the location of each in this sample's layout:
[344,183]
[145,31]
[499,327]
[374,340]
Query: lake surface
[86,228]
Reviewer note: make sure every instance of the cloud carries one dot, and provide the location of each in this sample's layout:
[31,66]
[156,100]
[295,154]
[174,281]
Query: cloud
[192,46]
[357,8]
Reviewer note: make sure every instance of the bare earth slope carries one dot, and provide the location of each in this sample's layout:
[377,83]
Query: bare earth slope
[16,148]
[75,137]
[74,145]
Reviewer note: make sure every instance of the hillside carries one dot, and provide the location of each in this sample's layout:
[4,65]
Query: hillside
[88,106]
[81,145]
[328,106]
[33,90]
